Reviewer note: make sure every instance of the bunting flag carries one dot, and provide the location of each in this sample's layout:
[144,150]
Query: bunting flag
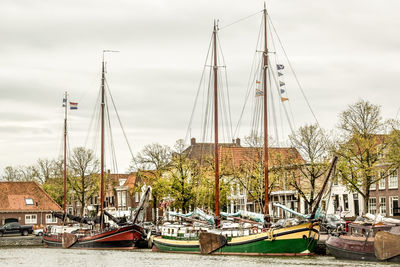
[280,66]
[280,74]
[282,91]
[281,83]
[283,99]
[258,82]
[259,92]
[73,105]
[64,102]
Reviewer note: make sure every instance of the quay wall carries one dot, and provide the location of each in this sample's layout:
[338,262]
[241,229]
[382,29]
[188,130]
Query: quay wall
[21,241]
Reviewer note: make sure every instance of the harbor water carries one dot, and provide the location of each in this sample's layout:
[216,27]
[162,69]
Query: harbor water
[69,257]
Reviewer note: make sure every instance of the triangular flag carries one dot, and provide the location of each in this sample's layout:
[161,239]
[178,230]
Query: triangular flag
[283,99]
[280,74]
[259,92]
[258,82]
[282,91]
[280,66]
[281,83]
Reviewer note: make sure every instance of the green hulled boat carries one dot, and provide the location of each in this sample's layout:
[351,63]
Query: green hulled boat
[289,241]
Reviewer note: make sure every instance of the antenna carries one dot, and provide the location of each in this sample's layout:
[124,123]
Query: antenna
[109,51]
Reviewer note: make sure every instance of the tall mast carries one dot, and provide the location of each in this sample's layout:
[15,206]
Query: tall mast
[215,69]
[102,146]
[65,150]
[265,69]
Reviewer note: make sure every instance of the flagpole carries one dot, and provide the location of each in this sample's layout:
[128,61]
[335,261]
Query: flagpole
[65,150]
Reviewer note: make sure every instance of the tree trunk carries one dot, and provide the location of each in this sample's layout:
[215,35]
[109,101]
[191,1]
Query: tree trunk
[155,210]
[366,198]
[83,196]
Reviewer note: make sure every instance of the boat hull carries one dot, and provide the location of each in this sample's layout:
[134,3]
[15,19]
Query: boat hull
[124,237]
[352,248]
[297,240]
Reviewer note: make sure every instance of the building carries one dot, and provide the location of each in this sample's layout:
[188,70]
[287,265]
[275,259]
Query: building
[384,196]
[26,203]
[250,157]
[343,202]
[121,197]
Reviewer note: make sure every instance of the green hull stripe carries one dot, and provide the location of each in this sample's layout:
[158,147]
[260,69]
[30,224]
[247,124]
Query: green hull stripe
[290,246]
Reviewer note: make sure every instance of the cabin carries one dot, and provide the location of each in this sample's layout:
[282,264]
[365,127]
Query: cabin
[26,203]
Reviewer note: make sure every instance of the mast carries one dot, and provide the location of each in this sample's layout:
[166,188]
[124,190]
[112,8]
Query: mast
[65,151]
[102,146]
[265,69]
[216,148]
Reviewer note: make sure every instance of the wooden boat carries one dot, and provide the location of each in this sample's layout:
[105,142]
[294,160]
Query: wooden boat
[366,242]
[123,235]
[299,240]
[118,237]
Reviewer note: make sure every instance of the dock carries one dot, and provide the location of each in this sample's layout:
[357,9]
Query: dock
[21,241]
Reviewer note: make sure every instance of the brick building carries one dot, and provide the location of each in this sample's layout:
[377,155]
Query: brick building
[238,156]
[26,203]
[384,196]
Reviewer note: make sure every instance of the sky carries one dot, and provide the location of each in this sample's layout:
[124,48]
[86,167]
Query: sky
[342,51]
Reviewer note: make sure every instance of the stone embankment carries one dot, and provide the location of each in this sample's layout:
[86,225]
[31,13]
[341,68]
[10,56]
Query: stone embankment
[321,247]
[20,241]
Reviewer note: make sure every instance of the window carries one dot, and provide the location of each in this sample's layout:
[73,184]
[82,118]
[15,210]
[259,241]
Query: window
[335,202]
[372,186]
[382,205]
[119,198]
[372,205]
[28,201]
[30,219]
[123,198]
[393,180]
[346,202]
[393,205]
[50,219]
[382,183]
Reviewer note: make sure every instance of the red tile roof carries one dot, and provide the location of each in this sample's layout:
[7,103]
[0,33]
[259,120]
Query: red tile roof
[13,195]
[277,156]
[131,181]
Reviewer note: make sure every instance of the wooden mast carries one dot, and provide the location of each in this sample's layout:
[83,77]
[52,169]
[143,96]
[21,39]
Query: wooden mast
[102,146]
[216,148]
[65,102]
[265,69]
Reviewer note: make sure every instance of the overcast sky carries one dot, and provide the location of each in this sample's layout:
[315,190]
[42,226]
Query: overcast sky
[342,51]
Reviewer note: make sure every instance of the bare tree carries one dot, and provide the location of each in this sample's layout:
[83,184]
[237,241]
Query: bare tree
[313,145]
[84,177]
[11,174]
[150,164]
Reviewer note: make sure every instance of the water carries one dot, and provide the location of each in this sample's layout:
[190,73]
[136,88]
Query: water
[69,257]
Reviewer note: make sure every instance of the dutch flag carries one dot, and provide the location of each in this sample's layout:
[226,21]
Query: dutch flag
[73,105]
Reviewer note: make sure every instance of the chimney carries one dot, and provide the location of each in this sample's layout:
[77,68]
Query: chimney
[238,141]
[193,141]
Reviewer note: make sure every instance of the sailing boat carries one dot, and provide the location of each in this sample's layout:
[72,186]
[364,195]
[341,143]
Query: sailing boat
[124,235]
[298,240]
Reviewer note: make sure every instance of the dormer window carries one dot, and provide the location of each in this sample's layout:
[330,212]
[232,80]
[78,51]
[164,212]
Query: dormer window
[28,201]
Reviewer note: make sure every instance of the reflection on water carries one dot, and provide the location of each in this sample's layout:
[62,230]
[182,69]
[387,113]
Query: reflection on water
[70,257]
